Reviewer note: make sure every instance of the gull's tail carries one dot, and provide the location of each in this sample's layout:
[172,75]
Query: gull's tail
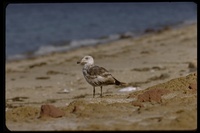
[119,83]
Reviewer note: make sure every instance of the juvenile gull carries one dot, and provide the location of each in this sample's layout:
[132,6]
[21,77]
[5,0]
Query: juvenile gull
[95,75]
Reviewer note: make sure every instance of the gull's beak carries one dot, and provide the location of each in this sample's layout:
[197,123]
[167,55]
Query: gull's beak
[79,62]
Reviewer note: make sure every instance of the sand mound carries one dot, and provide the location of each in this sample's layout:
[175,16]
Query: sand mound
[171,107]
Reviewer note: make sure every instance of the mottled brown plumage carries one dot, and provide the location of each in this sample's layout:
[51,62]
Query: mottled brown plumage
[95,75]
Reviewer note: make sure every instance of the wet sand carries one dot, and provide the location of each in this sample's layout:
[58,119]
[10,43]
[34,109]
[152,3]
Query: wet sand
[161,64]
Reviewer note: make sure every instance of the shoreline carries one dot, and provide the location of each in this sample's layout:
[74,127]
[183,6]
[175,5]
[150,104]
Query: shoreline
[68,46]
[165,60]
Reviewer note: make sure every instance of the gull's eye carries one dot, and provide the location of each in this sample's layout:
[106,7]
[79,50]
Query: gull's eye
[86,58]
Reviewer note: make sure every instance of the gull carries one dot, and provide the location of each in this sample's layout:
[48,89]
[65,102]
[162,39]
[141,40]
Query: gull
[96,75]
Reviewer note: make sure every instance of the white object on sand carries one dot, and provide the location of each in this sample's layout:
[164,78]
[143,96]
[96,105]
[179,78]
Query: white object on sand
[127,89]
[63,91]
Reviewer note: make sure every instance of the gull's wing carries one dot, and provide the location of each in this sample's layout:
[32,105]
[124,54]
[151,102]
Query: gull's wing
[98,71]
[100,75]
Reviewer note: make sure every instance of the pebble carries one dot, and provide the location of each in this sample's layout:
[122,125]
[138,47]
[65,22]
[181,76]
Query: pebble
[192,64]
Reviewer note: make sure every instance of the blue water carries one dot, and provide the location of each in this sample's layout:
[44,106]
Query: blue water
[40,27]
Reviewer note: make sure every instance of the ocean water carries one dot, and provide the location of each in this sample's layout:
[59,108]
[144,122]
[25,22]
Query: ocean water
[36,29]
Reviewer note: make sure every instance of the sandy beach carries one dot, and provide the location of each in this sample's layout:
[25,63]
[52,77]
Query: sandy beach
[160,65]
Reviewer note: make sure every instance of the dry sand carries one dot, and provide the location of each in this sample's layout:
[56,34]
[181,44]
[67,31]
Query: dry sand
[162,64]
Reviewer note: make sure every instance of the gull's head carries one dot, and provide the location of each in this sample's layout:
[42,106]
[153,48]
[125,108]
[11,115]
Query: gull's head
[86,60]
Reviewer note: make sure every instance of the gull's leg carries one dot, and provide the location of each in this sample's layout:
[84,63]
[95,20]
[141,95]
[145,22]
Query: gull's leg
[101,91]
[93,91]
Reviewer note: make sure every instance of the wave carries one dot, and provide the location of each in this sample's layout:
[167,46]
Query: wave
[47,49]
[73,44]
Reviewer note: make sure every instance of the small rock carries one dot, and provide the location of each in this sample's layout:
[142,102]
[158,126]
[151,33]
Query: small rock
[136,103]
[78,108]
[192,66]
[193,86]
[161,77]
[149,30]
[126,35]
[51,111]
